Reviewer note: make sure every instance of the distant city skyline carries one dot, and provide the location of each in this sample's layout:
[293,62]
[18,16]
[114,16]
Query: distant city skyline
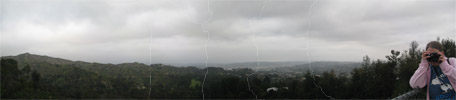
[171,31]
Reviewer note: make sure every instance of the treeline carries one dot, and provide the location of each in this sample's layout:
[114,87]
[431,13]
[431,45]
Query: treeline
[29,76]
[66,82]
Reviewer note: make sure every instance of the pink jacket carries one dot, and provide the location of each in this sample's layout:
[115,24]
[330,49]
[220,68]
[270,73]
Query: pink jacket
[421,77]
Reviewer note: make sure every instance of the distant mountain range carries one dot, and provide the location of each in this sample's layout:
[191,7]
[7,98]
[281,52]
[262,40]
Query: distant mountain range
[320,66]
[291,66]
[297,67]
[27,58]
[263,65]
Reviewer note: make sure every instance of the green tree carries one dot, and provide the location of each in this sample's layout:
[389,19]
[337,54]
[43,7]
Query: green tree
[407,66]
[11,80]
[374,80]
[333,84]
[35,79]
[449,47]
[26,70]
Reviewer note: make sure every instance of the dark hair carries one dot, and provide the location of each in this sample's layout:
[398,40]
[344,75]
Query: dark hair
[435,45]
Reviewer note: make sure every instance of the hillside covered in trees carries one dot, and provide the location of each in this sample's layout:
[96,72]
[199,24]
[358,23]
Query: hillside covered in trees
[30,76]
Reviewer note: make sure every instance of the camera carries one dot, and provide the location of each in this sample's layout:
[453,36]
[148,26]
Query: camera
[434,57]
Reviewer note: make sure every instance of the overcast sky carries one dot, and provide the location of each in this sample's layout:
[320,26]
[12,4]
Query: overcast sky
[118,31]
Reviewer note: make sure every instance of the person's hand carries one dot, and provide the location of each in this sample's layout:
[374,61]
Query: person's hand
[425,54]
[442,57]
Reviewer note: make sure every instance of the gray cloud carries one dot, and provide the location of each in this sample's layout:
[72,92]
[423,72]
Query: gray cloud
[125,30]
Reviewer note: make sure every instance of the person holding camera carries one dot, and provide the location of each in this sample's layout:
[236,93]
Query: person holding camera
[437,72]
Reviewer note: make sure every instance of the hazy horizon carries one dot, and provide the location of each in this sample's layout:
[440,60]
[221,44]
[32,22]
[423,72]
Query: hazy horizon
[212,64]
